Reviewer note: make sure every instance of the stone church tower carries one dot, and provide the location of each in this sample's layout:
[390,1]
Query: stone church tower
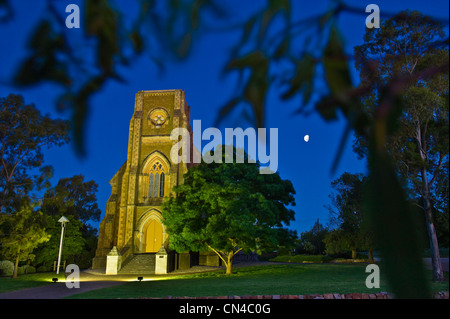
[132,226]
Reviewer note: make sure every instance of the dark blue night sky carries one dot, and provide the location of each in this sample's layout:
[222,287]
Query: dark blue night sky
[307,165]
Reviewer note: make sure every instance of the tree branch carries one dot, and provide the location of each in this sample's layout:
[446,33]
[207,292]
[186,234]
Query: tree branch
[436,172]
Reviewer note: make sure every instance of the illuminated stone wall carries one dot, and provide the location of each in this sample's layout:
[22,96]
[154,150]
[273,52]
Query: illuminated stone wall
[136,193]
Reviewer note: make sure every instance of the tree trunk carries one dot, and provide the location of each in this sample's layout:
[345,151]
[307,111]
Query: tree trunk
[438,274]
[16,264]
[353,253]
[371,259]
[229,264]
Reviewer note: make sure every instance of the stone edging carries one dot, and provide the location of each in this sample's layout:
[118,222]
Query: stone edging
[379,295]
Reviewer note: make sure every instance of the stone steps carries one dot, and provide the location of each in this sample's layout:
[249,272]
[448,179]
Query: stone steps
[139,264]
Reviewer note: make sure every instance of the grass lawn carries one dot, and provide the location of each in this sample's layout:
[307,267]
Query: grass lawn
[28,281]
[282,279]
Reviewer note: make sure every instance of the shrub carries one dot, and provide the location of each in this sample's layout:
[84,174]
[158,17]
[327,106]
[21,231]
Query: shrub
[283,251]
[20,270]
[267,256]
[303,259]
[6,268]
[29,269]
[347,254]
[44,268]
[343,260]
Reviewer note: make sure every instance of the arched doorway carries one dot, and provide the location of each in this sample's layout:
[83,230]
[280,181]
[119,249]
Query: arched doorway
[152,236]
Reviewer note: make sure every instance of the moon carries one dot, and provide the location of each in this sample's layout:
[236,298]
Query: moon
[306,138]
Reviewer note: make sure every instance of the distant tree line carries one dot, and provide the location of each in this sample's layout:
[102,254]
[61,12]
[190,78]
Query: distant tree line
[29,205]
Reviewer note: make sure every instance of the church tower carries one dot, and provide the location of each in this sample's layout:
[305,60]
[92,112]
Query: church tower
[132,224]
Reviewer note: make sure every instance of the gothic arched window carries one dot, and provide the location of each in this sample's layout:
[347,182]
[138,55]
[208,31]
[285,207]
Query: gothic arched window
[150,185]
[156,189]
[161,185]
[156,178]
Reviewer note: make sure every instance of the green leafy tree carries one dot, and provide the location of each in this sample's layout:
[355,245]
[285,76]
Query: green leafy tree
[270,38]
[21,233]
[73,197]
[338,242]
[73,242]
[419,145]
[24,133]
[312,241]
[347,214]
[76,199]
[228,207]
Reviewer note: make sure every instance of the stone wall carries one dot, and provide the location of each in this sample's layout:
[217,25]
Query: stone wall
[380,295]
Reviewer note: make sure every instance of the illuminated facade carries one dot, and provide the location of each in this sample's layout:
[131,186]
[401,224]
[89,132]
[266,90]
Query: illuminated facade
[133,222]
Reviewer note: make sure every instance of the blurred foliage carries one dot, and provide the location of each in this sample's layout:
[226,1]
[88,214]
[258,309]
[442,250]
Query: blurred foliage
[347,216]
[386,203]
[307,49]
[82,63]
[415,134]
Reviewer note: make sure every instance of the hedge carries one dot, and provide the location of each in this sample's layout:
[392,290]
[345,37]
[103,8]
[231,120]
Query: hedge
[6,268]
[303,259]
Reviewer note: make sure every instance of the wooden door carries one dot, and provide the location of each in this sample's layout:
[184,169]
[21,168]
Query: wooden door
[153,236]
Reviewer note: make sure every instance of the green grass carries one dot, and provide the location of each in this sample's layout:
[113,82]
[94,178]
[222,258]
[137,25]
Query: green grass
[257,280]
[280,279]
[27,281]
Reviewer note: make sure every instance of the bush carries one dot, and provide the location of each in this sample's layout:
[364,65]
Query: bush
[6,268]
[44,268]
[20,270]
[347,254]
[267,256]
[303,259]
[29,269]
[283,251]
[343,260]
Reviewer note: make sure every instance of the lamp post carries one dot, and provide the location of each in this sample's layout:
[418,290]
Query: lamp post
[63,220]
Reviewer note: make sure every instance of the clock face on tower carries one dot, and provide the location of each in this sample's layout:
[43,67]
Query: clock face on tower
[158,117]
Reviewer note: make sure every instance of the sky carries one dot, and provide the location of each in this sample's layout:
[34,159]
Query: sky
[306,164]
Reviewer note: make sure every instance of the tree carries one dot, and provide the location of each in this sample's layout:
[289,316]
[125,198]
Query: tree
[347,213]
[440,206]
[404,46]
[312,241]
[270,37]
[228,207]
[74,197]
[24,132]
[77,200]
[338,242]
[21,234]
[74,243]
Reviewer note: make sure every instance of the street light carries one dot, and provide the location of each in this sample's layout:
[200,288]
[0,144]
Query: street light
[63,220]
